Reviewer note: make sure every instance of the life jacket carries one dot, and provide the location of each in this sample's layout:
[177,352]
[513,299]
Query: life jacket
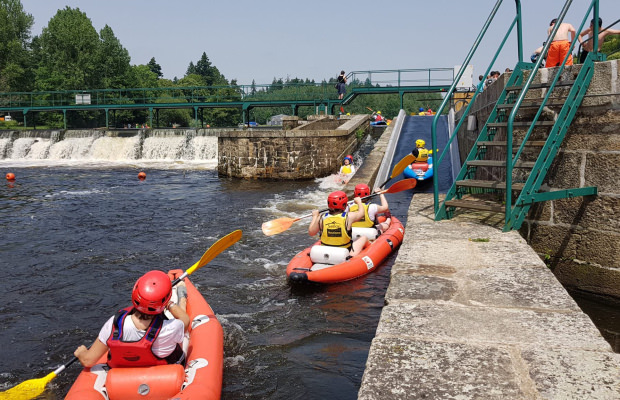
[334,232]
[139,353]
[346,169]
[364,223]
[422,155]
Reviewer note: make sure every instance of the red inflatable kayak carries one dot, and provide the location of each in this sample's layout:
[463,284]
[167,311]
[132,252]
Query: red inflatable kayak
[200,378]
[324,264]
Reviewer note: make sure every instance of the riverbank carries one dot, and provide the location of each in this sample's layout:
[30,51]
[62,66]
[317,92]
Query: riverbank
[474,313]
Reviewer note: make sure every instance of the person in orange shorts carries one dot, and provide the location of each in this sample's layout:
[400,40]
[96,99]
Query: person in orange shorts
[560,45]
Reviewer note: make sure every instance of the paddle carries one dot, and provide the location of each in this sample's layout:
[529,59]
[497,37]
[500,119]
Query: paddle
[279,225]
[400,167]
[34,387]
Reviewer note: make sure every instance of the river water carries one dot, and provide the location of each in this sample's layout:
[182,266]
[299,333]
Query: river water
[75,238]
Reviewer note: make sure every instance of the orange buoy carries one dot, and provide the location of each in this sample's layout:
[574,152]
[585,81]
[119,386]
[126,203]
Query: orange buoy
[10,176]
[142,176]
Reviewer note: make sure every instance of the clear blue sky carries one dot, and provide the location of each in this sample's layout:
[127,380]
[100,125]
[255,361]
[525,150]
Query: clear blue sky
[266,39]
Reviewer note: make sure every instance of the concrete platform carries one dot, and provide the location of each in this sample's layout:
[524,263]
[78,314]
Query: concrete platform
[473,313]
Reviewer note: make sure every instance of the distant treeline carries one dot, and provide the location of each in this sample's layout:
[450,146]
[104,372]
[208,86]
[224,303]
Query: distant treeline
[71,55]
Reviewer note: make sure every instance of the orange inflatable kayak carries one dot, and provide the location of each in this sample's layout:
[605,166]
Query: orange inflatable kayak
[200,378]
[325,264]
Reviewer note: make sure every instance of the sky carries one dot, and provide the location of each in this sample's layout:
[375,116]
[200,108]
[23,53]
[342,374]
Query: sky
[265,39]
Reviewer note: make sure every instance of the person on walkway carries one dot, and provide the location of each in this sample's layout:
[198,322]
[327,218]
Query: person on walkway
[420,152]
[560,45]
[371,210]
[341,82]
[335,225]
[588,44]
[142,335]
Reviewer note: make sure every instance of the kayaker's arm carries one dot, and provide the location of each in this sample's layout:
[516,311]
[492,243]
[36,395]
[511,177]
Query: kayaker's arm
[178,311]
[89,357]
[314,228]
[356,215]
[383,207]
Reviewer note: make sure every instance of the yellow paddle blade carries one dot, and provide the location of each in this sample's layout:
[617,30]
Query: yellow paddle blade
[276,226]
[27,390]
[215,249]
[402,164]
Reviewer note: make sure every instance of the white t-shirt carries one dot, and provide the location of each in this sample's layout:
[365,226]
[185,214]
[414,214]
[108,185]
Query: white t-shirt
[171,334]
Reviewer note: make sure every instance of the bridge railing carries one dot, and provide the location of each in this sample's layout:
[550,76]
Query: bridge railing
[162,95]
[401,77]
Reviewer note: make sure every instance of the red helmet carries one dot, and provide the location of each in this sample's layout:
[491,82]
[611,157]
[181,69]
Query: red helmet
[152,292]
[337,200]
[361,190]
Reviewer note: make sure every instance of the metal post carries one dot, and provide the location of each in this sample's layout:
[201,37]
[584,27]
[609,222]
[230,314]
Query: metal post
[64,117]
[107,118]
[595,29]
[519,31]
[151,117]
[195,116]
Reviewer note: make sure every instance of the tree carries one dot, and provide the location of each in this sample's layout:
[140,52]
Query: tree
[191,69]
[113,61]
[69,53]
[15,25]
[155,68]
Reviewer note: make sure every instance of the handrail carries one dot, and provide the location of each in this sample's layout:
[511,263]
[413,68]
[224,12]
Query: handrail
[451,90]
[471,102]
[510,160]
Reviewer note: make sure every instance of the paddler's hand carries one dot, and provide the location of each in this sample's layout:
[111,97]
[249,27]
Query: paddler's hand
[79,351]
[315,214]
[358,201]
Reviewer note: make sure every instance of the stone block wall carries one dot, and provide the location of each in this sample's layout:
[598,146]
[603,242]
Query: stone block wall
[300,153]
[579,238]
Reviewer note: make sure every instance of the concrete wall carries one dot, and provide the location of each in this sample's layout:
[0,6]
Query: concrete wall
[308,151]
[578,238]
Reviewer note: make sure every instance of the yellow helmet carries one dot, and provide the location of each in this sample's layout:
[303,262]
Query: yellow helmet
[420,143]
[378,112]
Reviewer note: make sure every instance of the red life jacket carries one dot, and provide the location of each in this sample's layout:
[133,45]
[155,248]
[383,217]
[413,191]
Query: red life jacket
[133,354]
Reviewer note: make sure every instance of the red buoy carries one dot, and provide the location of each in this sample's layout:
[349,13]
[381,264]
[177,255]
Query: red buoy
[10,176]
[142,176]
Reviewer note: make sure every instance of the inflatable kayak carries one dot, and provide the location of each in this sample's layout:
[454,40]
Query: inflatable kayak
[199,378]
[420,170]
[327,264]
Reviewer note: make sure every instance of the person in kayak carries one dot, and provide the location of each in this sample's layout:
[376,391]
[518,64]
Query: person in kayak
[335,225]
[419,152]
[347,167]
[142,335]
[371,210]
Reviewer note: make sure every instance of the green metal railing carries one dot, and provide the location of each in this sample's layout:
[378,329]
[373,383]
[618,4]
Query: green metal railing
[514,215]
[516,21]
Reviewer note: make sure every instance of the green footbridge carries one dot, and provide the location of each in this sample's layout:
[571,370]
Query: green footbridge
[321,96]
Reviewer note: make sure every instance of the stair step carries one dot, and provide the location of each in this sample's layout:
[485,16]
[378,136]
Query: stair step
[533,143]
[541,85]
[476,205]
[520,123]
[530,104]
[488,184]
[493,163]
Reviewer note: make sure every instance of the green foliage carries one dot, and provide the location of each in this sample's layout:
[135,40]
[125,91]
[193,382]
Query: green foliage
[70,51]
[155,68]
[611,47]
[15,25]
[113,60]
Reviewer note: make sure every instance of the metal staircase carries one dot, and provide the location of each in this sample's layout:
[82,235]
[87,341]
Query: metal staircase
[505,175]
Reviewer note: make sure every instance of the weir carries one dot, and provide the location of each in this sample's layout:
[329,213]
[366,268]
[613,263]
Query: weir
[116,146]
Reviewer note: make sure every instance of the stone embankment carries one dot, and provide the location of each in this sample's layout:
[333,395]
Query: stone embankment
[474,313]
